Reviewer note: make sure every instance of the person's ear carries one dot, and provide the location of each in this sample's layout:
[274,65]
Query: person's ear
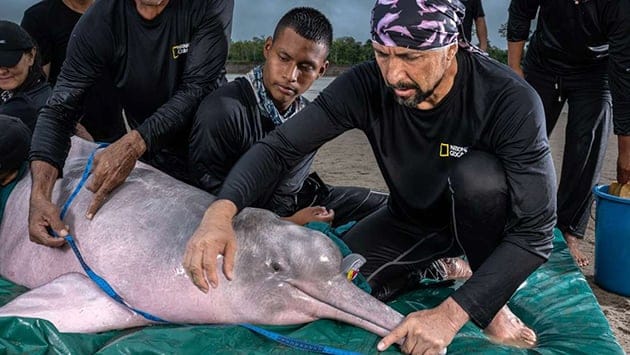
[267,47]
[451,51]
[322,69]
[30,56]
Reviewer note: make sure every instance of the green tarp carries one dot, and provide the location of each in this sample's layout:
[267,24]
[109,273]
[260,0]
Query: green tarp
[556,301]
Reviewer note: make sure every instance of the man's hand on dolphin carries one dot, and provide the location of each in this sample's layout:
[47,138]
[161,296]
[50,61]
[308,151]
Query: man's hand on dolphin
[112,167]
[43,214]
[623,160]
[429,331]
[214,236]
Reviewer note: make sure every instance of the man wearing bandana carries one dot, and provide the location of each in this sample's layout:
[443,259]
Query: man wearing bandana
[460,140]
[235,116]
[578,55]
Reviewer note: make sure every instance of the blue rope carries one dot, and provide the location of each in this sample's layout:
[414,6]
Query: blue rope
[100,282]
[297,344]
[109,290]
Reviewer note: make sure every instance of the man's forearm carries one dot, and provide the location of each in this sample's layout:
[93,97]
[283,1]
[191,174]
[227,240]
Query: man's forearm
[43,177]
[482,33]
[225,209]
[515,54]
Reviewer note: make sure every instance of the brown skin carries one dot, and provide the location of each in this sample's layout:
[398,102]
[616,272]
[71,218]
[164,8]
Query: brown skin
[623,161]
[7,177]
[111,168]
[312,214]
[482,33]
[150,9]
[11,78]
[292,64]
[414,74]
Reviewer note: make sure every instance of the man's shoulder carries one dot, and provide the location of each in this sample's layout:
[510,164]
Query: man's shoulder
[40,10]
[492,79]
[228,101]
[232,93]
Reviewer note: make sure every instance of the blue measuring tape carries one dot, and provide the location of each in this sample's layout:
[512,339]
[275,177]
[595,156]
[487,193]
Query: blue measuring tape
[109,290]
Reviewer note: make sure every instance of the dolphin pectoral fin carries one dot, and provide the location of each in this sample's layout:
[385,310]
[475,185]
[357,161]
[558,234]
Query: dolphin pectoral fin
[74,304]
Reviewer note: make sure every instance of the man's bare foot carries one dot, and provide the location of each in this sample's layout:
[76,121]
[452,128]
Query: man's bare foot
[507,329]
[455,269]
[574,248]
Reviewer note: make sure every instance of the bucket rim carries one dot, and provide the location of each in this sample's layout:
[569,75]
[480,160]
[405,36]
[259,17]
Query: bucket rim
[598,190]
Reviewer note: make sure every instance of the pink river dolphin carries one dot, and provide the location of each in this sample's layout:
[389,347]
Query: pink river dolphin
[284,273]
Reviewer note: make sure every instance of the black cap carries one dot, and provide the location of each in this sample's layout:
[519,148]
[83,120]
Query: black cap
[15,142]
[14,41]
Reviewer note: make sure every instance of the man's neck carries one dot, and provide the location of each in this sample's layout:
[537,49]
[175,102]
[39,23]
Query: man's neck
[443,88]
[79,6]
[150,12]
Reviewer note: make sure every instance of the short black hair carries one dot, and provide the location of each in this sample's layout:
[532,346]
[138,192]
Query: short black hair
[308,23]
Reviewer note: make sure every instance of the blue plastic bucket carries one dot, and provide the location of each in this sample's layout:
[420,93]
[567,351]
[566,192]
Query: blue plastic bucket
[612,241]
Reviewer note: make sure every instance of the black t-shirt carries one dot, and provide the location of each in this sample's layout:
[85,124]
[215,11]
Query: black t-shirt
[489,108]
[474,10]
[50,23]
[573,39]
[161,69]
[227,124]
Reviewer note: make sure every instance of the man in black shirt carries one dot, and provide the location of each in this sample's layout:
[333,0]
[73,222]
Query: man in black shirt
[475,13]
[460,141]
[235,116]
[580,54]
[163,57]
[50,23]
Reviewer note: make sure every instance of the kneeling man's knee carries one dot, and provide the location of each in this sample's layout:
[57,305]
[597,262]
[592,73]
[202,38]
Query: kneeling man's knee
[478,178]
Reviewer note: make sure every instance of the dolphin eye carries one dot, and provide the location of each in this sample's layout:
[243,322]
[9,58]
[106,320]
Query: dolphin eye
[276,266]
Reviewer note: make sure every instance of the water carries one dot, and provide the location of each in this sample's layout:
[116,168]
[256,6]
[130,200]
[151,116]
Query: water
[312,93]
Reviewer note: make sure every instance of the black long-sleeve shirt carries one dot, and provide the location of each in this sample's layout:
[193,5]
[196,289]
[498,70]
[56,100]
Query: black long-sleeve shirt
[571,39]
[161,68]
[226,125]
[488,108]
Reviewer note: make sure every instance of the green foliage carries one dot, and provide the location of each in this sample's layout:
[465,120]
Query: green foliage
[498,54]
[344,51]
[247,51]
[348,51]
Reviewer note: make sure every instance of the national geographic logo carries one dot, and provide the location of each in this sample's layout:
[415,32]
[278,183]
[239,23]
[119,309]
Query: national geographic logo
[179,50]
[452,151]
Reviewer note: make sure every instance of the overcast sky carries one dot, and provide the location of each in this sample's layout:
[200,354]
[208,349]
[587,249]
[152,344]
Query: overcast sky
[258,17]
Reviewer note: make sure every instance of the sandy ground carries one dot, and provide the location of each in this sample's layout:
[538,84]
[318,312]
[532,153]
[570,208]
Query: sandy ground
[348,160]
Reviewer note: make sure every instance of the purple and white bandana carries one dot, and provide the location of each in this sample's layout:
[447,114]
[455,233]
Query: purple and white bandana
[416,24]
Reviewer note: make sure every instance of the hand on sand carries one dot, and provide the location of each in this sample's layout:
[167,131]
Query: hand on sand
[42,215]
[112,166]
[214,236]
[312,214]
[429,331]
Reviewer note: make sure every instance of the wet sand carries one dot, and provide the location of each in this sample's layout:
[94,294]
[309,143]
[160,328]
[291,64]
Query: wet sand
[348,160]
